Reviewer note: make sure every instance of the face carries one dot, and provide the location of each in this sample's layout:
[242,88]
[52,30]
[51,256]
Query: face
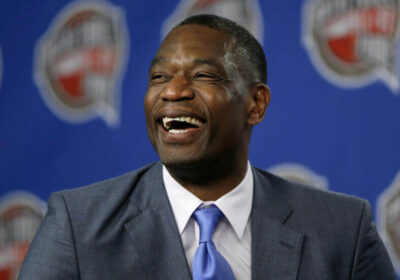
[196,105]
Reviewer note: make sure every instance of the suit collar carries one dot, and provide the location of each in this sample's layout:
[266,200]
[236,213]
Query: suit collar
[153,229]
[236,204]
[268,199]
[276,248]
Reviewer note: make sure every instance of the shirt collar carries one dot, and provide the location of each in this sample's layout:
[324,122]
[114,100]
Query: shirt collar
[236,205]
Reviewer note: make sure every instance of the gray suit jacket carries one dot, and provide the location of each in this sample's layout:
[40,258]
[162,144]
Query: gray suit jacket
[124,228]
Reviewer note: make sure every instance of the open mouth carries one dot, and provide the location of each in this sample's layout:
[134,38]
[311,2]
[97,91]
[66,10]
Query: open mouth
[180,124]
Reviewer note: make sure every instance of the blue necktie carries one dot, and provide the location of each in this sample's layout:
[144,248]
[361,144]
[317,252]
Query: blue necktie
[208,264]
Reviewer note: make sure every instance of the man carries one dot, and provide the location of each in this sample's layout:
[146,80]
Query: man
[206,91]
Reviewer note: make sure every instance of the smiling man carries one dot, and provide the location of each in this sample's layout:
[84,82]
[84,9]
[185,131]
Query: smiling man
[204,211]
[200,110]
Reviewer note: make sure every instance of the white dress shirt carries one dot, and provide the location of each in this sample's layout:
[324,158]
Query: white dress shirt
[232,237]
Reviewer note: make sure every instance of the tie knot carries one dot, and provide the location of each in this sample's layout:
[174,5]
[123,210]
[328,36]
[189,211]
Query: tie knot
[207,219]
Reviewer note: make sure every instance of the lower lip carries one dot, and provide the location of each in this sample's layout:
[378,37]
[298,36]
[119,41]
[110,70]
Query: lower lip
[185,136]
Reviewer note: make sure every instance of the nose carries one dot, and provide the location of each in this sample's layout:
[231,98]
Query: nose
[178,88]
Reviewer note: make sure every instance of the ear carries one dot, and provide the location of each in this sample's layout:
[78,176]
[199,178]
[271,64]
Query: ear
[260,97]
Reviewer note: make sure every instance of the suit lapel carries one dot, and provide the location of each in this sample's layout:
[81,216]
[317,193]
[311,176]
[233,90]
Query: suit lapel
[276,248]
[153,230]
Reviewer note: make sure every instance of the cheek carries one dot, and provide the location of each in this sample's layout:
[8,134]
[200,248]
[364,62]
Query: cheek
[148,108]
[153,94]
[217,98]
[149,101]
[222,98]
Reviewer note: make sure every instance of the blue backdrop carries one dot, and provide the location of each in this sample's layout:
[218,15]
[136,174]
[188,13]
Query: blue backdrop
[333,118]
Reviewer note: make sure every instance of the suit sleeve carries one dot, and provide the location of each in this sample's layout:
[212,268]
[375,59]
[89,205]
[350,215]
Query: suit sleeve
[52,253]
[371,258]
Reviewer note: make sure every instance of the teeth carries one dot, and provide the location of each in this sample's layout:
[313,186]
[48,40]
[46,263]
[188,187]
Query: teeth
[176,131]
[193,121]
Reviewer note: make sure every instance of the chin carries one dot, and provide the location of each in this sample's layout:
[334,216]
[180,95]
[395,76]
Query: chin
[185,161]
[178,162]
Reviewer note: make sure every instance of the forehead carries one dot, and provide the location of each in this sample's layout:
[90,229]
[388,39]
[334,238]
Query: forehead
[194,42]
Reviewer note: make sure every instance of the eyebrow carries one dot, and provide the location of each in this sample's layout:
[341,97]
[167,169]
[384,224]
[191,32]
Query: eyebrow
[211,62]
[155,61]
[197,61]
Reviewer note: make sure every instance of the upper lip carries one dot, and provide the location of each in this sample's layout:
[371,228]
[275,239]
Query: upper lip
[177,112]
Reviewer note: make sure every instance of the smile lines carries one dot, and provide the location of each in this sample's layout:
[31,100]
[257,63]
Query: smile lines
[180,124]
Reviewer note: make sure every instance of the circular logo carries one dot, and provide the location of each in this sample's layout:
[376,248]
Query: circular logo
[353,43]
[247,13]
[20,216]
[300,174]
[389,219]
[78,62]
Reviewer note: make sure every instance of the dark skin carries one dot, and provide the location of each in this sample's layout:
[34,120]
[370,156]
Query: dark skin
[194,76]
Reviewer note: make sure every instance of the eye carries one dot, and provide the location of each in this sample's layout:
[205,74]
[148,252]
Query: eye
[205,76]
[157,78]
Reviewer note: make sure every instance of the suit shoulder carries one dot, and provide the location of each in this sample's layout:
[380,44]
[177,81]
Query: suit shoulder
[98,205]
[105,195]
[112,185]
[305,196]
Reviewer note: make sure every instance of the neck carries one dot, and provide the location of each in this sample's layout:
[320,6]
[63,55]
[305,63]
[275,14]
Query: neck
[209,181]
